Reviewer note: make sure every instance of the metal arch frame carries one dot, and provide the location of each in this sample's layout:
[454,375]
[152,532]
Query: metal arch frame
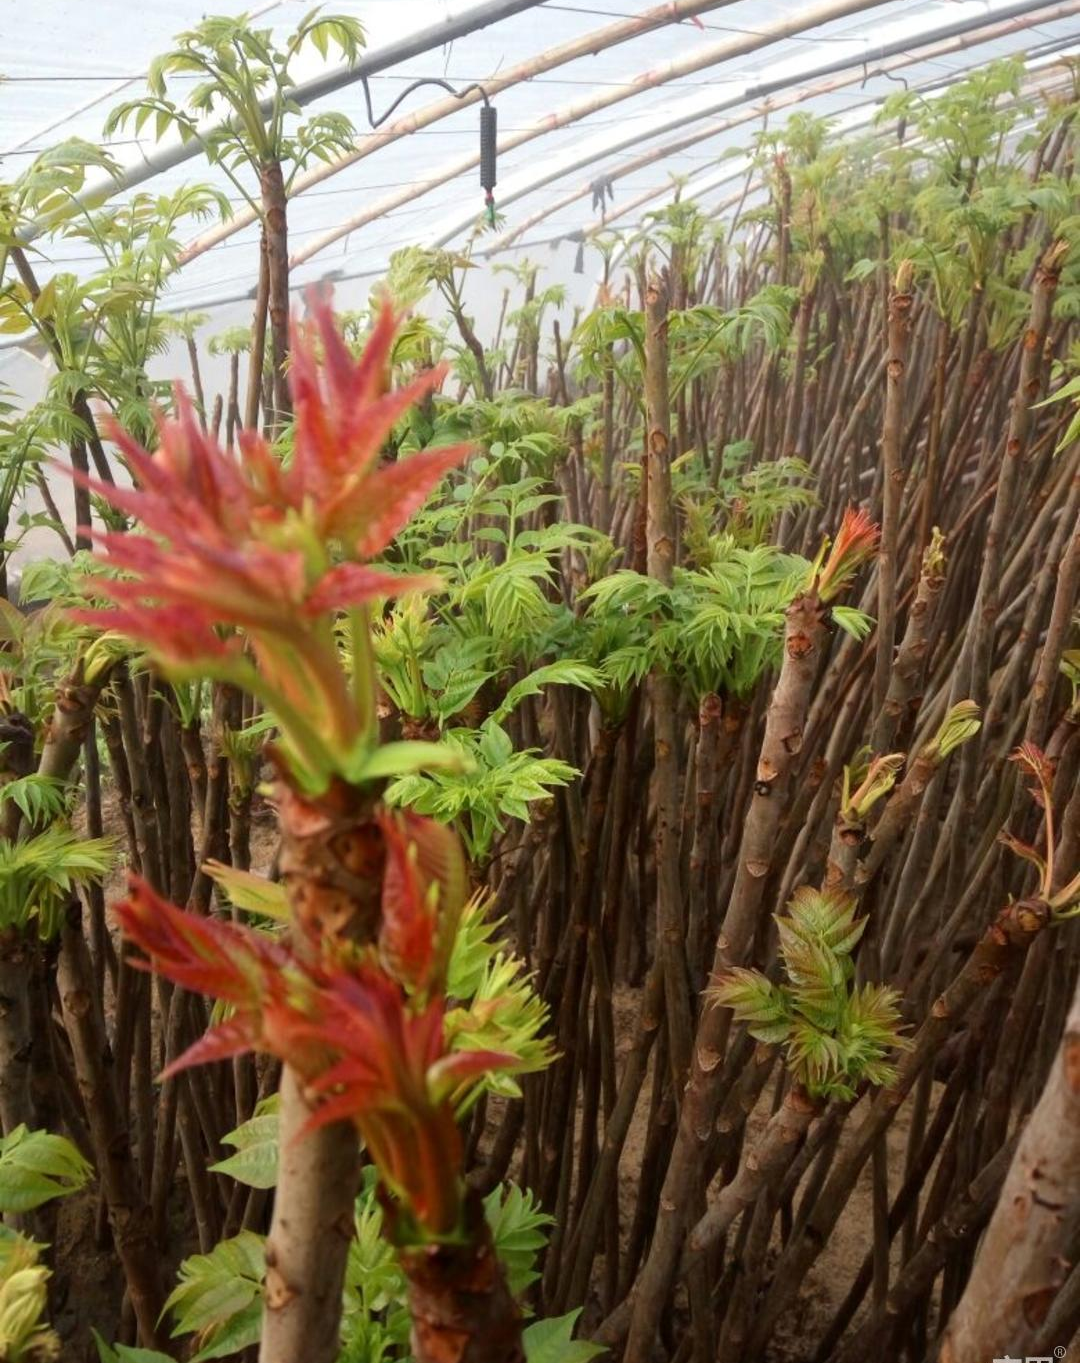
[988,18]
[979,13]
[770,106]
[470,20]
[850,121]
[701,59]
[694,190]
[597,40]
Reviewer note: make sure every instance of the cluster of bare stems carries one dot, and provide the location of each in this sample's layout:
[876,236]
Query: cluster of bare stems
[695,819]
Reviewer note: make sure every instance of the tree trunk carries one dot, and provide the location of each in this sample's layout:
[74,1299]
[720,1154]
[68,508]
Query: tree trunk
[1026,1254]
[331,865]
[16,1040]
[272,187]
[461,1308]
[129,1213]
[660,560]
[892,470]
[258,336]
[310,1233]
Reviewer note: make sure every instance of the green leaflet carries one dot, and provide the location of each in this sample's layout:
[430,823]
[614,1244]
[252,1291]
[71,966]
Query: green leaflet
[35,1167]
[218,1296]
[551,1341]
[124,1353]
[255,1141]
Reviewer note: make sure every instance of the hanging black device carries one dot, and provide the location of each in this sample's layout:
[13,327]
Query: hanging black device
[489,130]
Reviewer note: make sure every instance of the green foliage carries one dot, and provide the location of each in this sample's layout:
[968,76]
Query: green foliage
[38,876]
[835,1034]
[502,1014]
[519,1230]
[253,894]
[39,799]
[852,621]
[702,338]
[35,648]
[102,327]
[745,502]
[612,339]
[125,1353]
[564,672]
[552,1341]
[715,629]
[1068,392]
[218,1297]
[35,1167]
[492,783]
[24,1336]
[236,67]
[255,1142]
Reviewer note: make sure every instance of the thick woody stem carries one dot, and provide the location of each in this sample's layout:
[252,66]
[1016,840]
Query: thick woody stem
[461,1308]
[771,1154]
[804,636]
[660,550]
[332,862]
[331,865]
[275,227]
[1025,1256]
[905,678]
[892,439]
[312,1226]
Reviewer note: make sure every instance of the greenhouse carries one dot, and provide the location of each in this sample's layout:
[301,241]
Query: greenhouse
[540,681]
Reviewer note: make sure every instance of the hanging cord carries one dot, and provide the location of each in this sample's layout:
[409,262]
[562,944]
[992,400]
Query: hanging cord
[489,129]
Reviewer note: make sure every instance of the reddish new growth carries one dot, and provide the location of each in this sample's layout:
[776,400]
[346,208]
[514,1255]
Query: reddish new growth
[372,1051]
[855,542]
[238,542]
[241,572]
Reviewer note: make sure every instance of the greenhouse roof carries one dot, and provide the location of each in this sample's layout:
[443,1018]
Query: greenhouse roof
[602,131]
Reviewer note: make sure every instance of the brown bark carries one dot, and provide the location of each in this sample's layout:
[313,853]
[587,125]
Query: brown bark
[461,1309]
[16,1035]
[901,301]
[312,1227]
[331,865]
[804,636]
[983,623]
[660,561]
[256,359]
[129,1213]
[772,1152]
[275,227]
[1027,1252]
[905,677]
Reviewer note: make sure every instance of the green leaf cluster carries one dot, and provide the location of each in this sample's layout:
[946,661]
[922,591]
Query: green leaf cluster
[218,1298]
[835,1034]
[36,1167]
[38,876]
[24,1336]
[715,629]
[492,783]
